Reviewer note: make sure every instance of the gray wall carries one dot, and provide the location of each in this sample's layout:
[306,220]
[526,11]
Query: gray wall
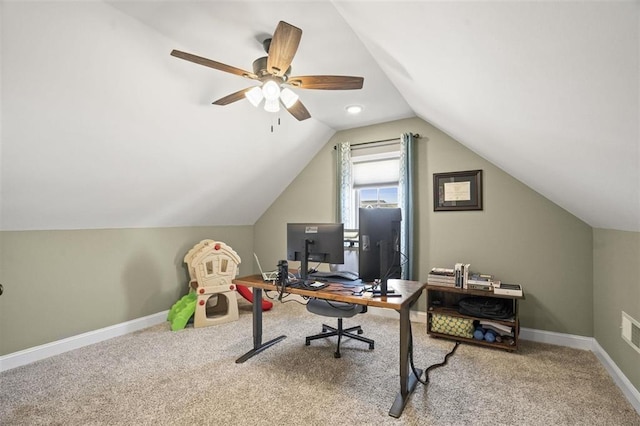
[577,280]
[59,284]
[520,236]
[616,288]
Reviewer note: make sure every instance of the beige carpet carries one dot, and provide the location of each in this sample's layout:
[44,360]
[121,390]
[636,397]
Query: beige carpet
[160,377]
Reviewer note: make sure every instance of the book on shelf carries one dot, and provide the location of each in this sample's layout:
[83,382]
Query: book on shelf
[441,284]
[479,286]
[458,274]
[480,277]
[501,329]
[496,331]
[462,274]
[441,279]
[441,276]
[446,272]
[507,289]
[478,281]
[465,275]
[474,281]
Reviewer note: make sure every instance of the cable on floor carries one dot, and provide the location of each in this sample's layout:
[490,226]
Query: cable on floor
[431,367]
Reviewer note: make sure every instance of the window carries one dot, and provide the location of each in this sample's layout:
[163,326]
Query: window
[210,268]
[377,173]
[381,196]
[375,180]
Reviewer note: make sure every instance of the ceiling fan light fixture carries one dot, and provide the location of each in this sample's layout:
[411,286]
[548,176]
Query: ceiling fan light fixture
[271,90]
[271,105]
[254,96]
[272,74]
[288,97]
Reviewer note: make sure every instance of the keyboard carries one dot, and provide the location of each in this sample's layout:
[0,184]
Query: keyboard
[306,285]
[343,275]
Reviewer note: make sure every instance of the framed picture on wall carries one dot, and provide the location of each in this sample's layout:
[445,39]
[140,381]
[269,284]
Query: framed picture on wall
[457,191]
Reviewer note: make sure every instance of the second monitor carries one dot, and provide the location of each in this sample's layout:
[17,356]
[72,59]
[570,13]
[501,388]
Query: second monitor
[379,243]
[315,242]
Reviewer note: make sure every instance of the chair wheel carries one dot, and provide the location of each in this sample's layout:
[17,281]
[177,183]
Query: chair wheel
[336,354]
[360,331]
[371,346]
[307,343]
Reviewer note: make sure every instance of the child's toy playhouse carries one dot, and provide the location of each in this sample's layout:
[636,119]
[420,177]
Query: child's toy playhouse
[212,298]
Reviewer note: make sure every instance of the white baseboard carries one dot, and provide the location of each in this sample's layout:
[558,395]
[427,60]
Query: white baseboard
[27,356]
[560,339]
[621,380]
[591,344]
[414,316]
[553,338]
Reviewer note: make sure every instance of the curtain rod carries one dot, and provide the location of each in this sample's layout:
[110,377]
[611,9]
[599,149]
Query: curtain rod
[416,135]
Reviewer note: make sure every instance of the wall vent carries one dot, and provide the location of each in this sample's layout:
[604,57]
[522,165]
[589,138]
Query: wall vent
[631,331]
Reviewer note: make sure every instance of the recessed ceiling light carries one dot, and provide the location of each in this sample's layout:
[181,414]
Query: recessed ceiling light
[354,109]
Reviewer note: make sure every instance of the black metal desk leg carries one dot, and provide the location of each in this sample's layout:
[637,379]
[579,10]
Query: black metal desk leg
[258,346]
[408,380]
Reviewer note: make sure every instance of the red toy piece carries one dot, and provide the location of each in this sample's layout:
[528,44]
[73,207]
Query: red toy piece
[248,294]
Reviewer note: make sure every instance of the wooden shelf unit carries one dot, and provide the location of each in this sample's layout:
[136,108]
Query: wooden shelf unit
[448,298]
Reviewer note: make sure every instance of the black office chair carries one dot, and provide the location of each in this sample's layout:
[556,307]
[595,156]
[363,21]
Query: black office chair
[340,310]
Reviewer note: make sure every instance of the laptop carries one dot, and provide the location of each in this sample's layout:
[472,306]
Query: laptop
[266,276]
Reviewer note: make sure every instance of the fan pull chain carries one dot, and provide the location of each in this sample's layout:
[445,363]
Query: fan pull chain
[272,123]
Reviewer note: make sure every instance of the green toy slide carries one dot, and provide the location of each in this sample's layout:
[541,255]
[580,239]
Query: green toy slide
[182,310]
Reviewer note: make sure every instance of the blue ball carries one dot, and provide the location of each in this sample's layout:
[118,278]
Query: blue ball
[490,336]
[478,334]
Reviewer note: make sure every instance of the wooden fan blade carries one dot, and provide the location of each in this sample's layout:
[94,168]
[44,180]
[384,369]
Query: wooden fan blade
[232,97]
[299,111]
[213,64]
[327,82]
[284,45]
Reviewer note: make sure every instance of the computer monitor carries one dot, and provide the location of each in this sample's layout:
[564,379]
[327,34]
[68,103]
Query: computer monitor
[379,244]
[315,242]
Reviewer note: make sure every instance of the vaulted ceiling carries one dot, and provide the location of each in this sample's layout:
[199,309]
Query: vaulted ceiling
[102,128]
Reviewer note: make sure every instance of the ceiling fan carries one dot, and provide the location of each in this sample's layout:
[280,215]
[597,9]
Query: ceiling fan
[273,72]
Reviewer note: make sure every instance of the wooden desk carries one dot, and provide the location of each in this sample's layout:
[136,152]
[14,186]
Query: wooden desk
[410,291]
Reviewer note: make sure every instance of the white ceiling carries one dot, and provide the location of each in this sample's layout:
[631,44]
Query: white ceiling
[102,128]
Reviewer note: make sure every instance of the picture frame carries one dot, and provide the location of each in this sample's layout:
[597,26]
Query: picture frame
[456,191]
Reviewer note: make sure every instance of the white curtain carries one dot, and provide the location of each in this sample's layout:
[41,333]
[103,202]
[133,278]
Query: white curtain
[345,185]
[344,205]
